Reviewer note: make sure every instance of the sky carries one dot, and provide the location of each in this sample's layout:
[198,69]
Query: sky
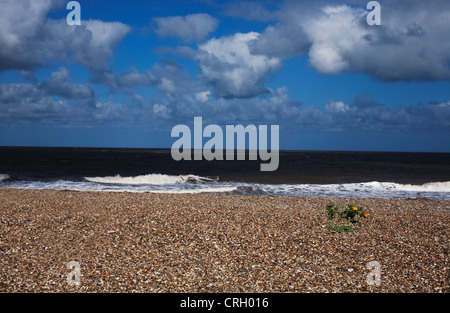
[135,69]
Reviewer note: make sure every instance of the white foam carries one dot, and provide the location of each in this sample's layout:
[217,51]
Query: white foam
[141,184]
[195,191]
[88,186]
[438,190]
[150,179]
[429,187]
[4,177]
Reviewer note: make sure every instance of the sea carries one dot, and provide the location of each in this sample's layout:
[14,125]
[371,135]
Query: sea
[390,175]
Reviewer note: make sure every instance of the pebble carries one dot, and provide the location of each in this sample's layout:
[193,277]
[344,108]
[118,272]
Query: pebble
[132,242]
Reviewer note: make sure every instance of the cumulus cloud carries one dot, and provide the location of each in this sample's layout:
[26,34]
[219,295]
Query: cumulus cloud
[57,100]
[124,82]
[20,21]
[30,39]
[336,107]
[364,113]
[59,84]
[193,27]
[203,96]
[274,107]
[329,46]
[32,103]
[178,93]
[229,65]
[410,45]
[27,102]
[283,40]
[104,38]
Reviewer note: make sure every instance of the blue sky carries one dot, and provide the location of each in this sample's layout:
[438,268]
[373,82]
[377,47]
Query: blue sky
[134,69]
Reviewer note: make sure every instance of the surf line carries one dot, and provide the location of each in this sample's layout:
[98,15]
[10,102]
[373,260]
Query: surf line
[213,148]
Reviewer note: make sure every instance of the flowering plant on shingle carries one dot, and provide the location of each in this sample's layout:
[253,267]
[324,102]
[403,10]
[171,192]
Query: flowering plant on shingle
[345,219]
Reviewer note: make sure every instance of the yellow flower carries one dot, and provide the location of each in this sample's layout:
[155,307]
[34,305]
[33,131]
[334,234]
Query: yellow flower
[365,214]
[354,208]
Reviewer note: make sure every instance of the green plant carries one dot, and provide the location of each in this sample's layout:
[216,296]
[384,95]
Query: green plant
[344,220]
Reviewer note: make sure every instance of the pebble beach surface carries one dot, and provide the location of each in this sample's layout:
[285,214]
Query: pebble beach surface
[142,242]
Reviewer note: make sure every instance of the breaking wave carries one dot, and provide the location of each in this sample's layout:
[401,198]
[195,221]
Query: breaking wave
[429,187]
[4,177]
[198,190]
[437,190]
[192,184]
[150,179]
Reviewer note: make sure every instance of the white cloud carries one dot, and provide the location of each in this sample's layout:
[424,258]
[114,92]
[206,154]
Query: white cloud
[161,111]
[405,47]
[21,17]
[336,107]
[203,96]
[228,63]
[282,40]
[106,36]
[59,84]
[411,44]
[334,35]
[30,39]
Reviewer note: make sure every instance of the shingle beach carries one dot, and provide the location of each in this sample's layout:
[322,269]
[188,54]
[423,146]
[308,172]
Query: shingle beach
[142,242]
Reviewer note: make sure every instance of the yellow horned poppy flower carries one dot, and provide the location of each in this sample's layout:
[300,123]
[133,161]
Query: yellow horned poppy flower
[365,214]
[354,208]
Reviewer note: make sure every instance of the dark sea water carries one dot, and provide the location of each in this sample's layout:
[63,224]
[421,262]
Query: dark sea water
[300,173]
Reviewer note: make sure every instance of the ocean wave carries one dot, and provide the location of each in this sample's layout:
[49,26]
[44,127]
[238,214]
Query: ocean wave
[197,190]
[390,186]
[160,191]
[437,190]
[191,184]
[150,179]
[429,187]
[4,177]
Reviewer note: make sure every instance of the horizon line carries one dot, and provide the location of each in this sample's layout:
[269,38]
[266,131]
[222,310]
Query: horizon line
[192,149]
